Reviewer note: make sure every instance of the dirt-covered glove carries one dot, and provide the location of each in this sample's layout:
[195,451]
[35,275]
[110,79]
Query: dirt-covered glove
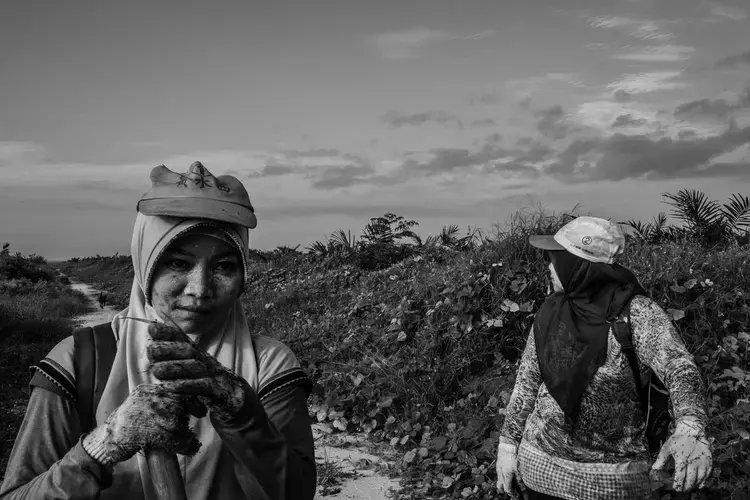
[689,447]
[184,368]
[150,418]
[506,467]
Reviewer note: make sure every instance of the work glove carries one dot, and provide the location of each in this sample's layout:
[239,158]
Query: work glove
[691,451]
[150,418]
[184,368]
[507,471]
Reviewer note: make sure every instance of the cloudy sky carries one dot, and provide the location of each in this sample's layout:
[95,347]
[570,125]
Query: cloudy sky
[333,112]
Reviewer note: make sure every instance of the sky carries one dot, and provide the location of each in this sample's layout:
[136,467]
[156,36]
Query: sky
[333,112]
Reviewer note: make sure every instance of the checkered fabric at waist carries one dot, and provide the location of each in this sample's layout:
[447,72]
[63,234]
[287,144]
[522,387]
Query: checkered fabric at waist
[582,481]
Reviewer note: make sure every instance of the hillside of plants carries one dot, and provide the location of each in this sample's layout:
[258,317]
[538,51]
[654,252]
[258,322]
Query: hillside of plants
[416,342]
[36,309]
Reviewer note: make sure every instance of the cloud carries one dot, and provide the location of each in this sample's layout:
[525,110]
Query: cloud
[483,122]
[714,108]
[628,120]
[396,119]
[19,152]
[720,12]
[481,34]
[735,60]
[686,134]
[343,176]
[535,154]
[274,170]
[620,95]
[639,83]
[660,53]
[552,122]
[522,87]
[494,138]
[448,160]
[406,44]
[490,158]
[294,153]
[635,156]
[487,99]
[643,29]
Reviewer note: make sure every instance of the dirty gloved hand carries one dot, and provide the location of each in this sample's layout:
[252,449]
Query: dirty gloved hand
[507,470]
[151,417]
[689,447]
[184,368]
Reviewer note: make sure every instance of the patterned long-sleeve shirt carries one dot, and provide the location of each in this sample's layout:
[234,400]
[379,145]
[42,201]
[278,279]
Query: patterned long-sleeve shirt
[604,456]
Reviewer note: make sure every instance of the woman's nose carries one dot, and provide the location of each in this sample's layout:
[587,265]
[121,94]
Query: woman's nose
[199,282]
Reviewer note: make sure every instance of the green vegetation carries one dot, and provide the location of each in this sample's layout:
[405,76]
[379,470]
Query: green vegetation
[416,342]
[36,308]
[114,275]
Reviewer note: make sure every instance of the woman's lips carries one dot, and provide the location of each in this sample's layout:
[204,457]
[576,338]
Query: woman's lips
[195,313]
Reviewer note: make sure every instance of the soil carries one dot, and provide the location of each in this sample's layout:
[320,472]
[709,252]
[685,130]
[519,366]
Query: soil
[358,464]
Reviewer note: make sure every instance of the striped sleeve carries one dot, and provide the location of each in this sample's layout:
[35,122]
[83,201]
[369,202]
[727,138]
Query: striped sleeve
[278,368]
[54,375]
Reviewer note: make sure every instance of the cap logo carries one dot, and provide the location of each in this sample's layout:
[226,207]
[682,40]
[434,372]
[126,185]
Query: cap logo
[199,178]
[586,240]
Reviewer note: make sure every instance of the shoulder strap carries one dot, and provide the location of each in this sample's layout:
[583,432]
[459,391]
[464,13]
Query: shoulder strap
[94,351]
[624,334]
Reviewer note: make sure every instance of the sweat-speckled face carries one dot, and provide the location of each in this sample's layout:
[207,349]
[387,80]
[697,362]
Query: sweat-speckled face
[196,282]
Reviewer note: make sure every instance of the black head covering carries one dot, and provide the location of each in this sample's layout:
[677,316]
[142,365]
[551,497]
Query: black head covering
[571,327]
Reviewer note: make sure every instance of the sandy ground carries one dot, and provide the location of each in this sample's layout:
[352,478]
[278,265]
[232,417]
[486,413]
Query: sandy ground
[351,454]
[354,455]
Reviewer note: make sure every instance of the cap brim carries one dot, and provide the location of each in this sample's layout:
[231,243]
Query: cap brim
[545,242]
[199,208]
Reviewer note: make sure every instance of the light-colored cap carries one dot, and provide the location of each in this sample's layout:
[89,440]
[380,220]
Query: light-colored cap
[590,238]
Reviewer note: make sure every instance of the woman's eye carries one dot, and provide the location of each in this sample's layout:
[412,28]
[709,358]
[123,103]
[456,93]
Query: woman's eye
[227,266]
[178,264]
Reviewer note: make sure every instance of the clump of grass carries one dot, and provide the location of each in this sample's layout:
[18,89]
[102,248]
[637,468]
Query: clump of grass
[331,475]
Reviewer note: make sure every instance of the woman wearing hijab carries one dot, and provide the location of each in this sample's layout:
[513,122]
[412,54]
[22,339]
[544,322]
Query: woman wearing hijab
[231,404]
[573,427]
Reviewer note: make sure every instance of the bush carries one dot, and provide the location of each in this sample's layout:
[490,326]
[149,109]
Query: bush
[421,354]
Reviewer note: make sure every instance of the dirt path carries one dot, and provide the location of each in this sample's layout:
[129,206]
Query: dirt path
[347,467]
[99,315]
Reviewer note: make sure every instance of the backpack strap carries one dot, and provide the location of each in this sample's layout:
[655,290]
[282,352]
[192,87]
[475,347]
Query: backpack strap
[94,352]
[623,332]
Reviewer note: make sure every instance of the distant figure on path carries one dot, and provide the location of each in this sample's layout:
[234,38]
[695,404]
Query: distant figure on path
[102,300]
[573,427]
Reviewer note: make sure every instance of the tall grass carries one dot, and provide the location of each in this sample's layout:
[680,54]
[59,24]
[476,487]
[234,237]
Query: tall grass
[36,312]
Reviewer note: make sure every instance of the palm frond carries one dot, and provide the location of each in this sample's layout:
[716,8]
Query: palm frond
[737,211]
[693,208]
[317,248]
[343,239]
[642,230]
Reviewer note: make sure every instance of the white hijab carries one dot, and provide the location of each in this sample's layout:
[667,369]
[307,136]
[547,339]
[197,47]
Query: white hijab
[232,346]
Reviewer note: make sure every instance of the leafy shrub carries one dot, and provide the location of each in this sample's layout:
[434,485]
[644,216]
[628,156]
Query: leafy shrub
[421,354]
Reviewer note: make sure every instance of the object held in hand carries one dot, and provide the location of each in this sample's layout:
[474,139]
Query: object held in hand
[184,368]
[150,418]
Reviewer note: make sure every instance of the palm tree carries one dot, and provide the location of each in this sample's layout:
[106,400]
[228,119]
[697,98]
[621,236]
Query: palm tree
[448,237]
[708,221]
[656,231]
[379,230]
